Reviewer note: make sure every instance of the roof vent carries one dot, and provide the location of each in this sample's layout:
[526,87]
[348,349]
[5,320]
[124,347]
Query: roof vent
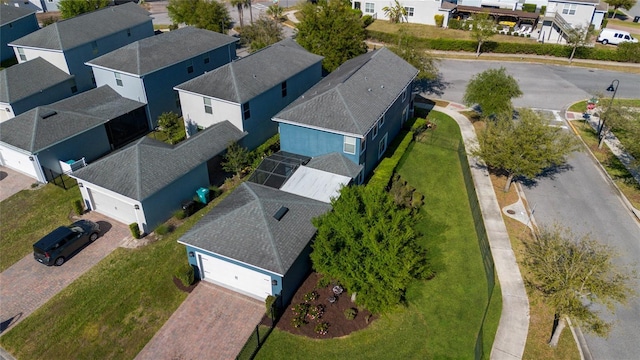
[254,76]
[48,114]
[381,86]
[369,89]
[280,213]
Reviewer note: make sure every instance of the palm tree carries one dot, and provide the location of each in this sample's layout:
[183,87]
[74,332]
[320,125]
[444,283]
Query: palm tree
[275,12]
[395,13]
[239,4]
[247,4]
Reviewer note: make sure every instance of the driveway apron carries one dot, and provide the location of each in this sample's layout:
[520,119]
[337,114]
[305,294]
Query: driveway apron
[12,182]
[27,284]
[212,323]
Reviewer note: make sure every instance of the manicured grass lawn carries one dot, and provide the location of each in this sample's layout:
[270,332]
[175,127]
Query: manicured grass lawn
[581,106]
[444,314]
[29,215]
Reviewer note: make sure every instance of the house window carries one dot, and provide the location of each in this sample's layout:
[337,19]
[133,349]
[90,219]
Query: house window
[374,131]
[349,145]
[569,9]
[21,54]
[189,66]
[405,114]
[206,59]
[284,88]
[94,47]
[381,123]
[404,94]
[356,5]
[409,11]
[118,79]
[207,106]
[369,8]
[128,32]
[246,111]
[382,146]
[74,87]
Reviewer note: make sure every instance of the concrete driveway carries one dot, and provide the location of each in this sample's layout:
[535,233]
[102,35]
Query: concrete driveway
[212,323]
[12,182]
[27,284]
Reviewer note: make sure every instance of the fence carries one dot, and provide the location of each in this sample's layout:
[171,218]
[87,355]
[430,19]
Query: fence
[61,180]
[261,331]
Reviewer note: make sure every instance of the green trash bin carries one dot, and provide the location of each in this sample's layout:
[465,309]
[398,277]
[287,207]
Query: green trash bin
[203,195]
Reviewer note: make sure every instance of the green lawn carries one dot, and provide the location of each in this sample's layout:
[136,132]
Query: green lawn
[444,314]
[29,215]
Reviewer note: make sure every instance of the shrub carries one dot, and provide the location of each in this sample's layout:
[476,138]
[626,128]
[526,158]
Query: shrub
[543,9]
[321,328]
[214,192]
[185,273]
[350,313]
[316,312]
[267,148]
[529,7]
[135,230]
[268,303]
[455,24]
[367,20]
[297,321]
[179,214]
[163,229]
[77,206]
[323,282]
[310,296]
[439,20]
[384,171]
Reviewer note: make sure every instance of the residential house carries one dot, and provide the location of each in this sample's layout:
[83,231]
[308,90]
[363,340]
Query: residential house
[146,181]
[30,84]
[418,11]
[563,15]
[148,69]
[256,241]
[49,140]
[250,90]
[68,44]
[356,111]
[15,23]
[34,5]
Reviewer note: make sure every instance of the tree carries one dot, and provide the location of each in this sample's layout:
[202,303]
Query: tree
[367,243]
[332,30]
[579,36]
[275,12]
[170,123]
[625,4]
[235,159]
[493,90]
[524,147]
[239,4]
[203,14]
[409,50]
[247,4]
[71,8]
[395,13]
[574,272]
[264,32]
[482,28]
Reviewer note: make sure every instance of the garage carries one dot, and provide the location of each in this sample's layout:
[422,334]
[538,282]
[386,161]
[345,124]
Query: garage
[112,207]
[232,276]
[18,161]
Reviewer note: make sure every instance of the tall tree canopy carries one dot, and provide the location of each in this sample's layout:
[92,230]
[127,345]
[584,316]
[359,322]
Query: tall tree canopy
[493,90]
[411,52]
[203,14]
[332,30]
[262,33]
[71,8]
[482,28]
[524,147]
[572,272]
[625,4]
[368,244]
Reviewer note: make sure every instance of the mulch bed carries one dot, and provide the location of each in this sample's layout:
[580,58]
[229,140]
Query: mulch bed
[339,325]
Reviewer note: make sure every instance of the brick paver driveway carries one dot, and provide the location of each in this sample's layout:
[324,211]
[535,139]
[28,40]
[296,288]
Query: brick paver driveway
[212,323]
[27,284]
[12,182]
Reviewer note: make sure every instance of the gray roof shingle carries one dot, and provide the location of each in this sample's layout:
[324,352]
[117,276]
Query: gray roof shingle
[85,28]
[250,76]
[146,166]
[31,132]
[12,13]
[31,77]
[156,52]
[335,163]
[242,227]
[354,96]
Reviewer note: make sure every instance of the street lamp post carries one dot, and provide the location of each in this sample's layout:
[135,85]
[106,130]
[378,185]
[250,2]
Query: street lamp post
[601,130]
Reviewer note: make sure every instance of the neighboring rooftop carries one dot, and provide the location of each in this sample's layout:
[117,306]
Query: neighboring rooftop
[353,97]
[156,52]
[28,78]
[274,170]
[142,168]
[243,227]
[47,125]
[85,28]
[315,184]
[335,163]
[12,13]
[247,77]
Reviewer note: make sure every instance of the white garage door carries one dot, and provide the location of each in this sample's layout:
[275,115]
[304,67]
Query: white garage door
[112,207]
[18,161]
[237,278]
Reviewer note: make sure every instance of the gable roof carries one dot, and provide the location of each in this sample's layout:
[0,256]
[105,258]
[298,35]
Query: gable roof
[85,28]
[353,97]
[12,13]
[30,77]
[146,166]
[156,52]
[243,227]
[250,76]
[335,163]
[45,126]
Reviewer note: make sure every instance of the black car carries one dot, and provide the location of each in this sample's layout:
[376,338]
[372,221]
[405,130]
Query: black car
[58,245]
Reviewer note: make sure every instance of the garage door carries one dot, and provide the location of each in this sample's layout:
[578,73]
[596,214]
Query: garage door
[237,278]
[18,161]
[112,207]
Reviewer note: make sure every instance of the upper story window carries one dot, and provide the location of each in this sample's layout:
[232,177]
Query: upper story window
[284,88]
[21,54]
[374,131]
[207,106]
[246,111]
[128,32]
[409,11]
[118,79]
[381,122]
[74,87]
[189,66]
[206,59]
[404,94]
[569,9]
[349,145]
[369,8]
[94,47]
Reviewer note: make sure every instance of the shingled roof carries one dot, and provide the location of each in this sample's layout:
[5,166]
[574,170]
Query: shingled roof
[12,13]
[45,126]
[353,97]
[31,77]
[250,76]
[335,163]
[146,166]
[150,54]
[85,28]
[243,227]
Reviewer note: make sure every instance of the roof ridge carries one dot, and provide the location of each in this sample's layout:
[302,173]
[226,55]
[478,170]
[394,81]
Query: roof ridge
[57,34]
[138,172]
[139,56]
[344,103]
[34,126]
[234,80]
[274,248]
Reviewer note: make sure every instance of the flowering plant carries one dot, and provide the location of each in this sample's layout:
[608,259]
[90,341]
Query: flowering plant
[310,296]
[321,328]
[316,312]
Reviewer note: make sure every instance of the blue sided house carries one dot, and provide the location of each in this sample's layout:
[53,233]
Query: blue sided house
[15,22]
[355,111]
[250,90]
[148,69]
[68,44]
[256,241]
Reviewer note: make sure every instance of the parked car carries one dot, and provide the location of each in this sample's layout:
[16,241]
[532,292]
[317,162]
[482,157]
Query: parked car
[612,36]
[56,247]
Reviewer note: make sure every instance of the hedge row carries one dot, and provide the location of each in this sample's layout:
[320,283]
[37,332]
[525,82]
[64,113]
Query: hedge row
[624,53]
[384,171]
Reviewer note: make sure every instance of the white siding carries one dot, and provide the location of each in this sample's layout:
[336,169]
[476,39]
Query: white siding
[132,86]
[193,111]
[235,277]
[54,57]
[6,112]
[20,161]
[423,11]
[112,204]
